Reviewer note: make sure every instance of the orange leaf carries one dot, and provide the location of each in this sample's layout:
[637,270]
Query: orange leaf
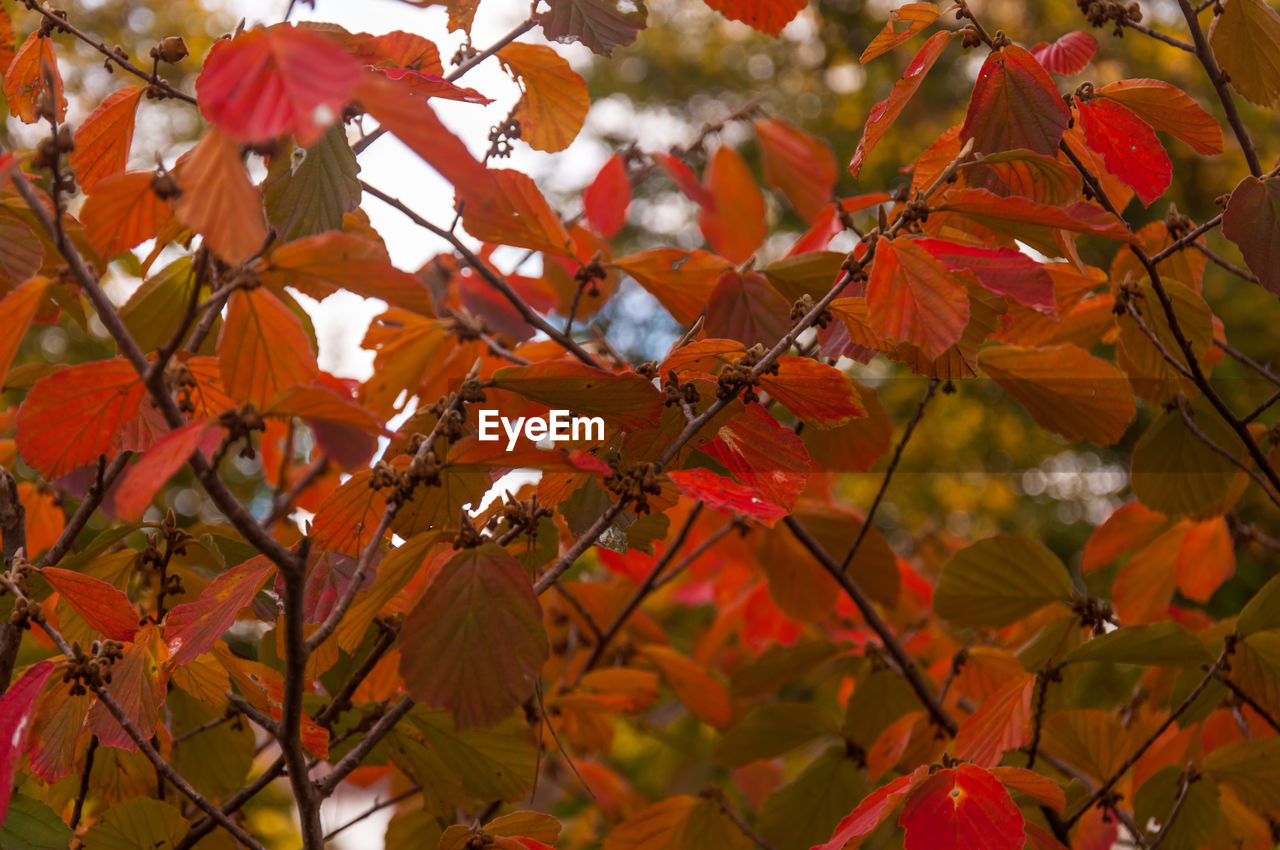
[137,687]
[762,454]
[624,400]
[102,141]
[1129,528]
[873,811]
[1001,723]
[71,417]
[555,101]
[45,519]
[884,113]
[283,79]
[767,16]
[6,56]
[219,200]
[605,201]
[914,298]
[347,517]
[263,348]
[1144,585]
[121,212]
[21,253]
[192,628]
[800,166]
[320,265]
[17,309]
[510,210]
[474,644]
[704,696]
[157,465]
[818,394]
[725,495]
[1205,559]
[734,223]
[682,281]
[100,604]
[397,48]
[1033,784]
[414,122]
[916,15]
[679,823]
[25,81]
[1065,389]
[889,747]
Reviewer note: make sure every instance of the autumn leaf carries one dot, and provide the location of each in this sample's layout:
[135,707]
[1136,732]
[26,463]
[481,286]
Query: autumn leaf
[704,696]
[999,580]
[1128,146]
[511,210]
[746,308]
[16,708]
[322,264]
[1205,559]
[734,221]
[159,463]
[218,199]
[1168,110]
[1015,105]
[884,113]
[17,309]
[21,253]
[103,139]
[282,79]
[75,415]
[605,200]
[964,808]
[682,281]
[874,810]
[474,644]
[1004,271]
[602,25]
[138,687]
[554,102]
[123,211]
[1252,222]
[626,401]
[725,495]
[817,394]
[25,83]
[798,165]
[192,628]
[912,297]
[1246,42]
[98,603]
[917,16]
[1068,55]
[763,454]
[263,348]
[767,16]
[678,823]
[1002,723]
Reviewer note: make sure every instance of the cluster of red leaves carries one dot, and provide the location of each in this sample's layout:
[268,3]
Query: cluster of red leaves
[404,637]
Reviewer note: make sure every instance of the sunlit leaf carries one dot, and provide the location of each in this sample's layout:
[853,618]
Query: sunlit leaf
[263,348]
[219,200]
[1128,146]
[1068,54]
[100,605]
[554,103]
[103,138]
[767,16]
[1168,109]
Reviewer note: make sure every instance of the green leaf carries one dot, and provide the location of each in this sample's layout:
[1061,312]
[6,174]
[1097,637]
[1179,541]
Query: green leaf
[216,761]
[877,702]
[308,191]
[1163,644]
[1175,473]
[138,824]
[808,274]
[773,728]
[1000,580]
[778,665]
[152,312]
[1197,819]
[1262,611]
[31,825]
[474,644]
[1246,40]
[412,831]
[804,812]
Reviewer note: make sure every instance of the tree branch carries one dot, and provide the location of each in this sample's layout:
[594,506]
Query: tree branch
[370,740]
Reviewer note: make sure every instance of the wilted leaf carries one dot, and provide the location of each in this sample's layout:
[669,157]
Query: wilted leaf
[601,25]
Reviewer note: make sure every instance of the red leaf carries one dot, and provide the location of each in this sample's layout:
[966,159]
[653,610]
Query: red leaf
[763,454]
[510,209]
[17,309]
[1004,271]
[746,308]
[800,166]
[684,177]
[218,200]
[102,141]
[606,200]
[191,629]
[726,495]
[24,81]
[884,113]
[912,297]
[1129,147]
[398,108]
[76,414]
[98,603]
[734,222]
[322,264]
[16,708]
[145,478]
[474,645]
[873,811]
[433,85]
[1168,109]
[1001,723]
[961,808]
[267,82]
[768,16]
[121,212]
[137,687]
[1068,55]
[1015,105]
[1252,221]
[817,394]
[1034,223]
[263,348]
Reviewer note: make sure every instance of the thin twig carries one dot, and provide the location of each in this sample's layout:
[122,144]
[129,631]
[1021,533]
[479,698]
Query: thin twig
[1189,776]
[377,806]
[370,740]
